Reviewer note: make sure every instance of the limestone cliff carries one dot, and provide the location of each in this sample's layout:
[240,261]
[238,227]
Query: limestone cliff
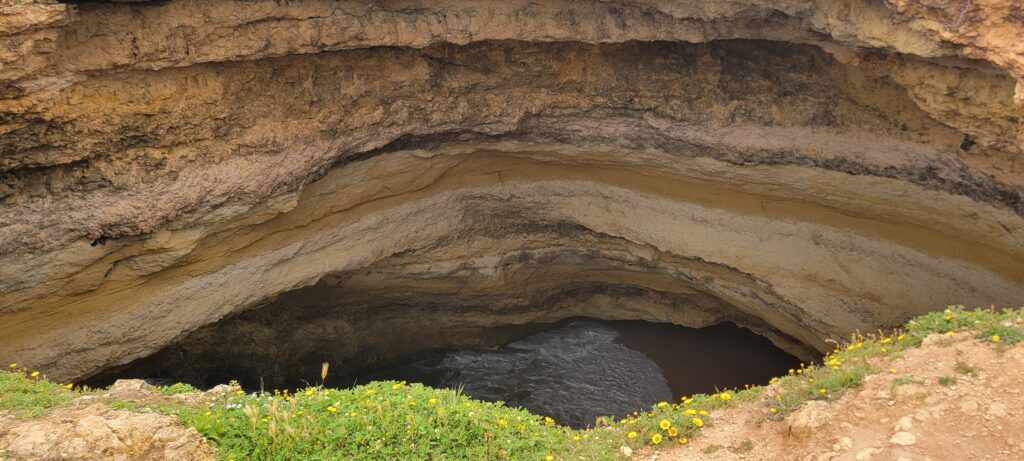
[420,169]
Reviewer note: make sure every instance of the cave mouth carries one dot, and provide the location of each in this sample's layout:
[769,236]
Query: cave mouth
[573,370]
[582,369]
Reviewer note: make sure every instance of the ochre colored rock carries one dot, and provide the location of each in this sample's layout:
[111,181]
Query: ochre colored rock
[427,170]
[97,432]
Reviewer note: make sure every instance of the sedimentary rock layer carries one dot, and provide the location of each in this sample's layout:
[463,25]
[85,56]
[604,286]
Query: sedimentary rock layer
[803,168]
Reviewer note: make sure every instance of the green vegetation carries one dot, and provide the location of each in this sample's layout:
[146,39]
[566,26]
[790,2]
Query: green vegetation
[711,449]
[964,369]
[395,420]
[177,388]
[742,447]
[391,420]
[904,380]
[29,395]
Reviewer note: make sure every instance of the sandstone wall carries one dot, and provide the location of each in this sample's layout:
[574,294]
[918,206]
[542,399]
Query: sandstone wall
[803,168]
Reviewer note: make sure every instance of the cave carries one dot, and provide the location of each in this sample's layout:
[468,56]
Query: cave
[208,191]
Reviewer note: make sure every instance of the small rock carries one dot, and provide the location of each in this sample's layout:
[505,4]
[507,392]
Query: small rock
[910,391]
[934,399]
[866,454]
[626,451]
[844,444]
[969,407]
[996,410]
[223,389]
[904,424]
[813,415]
[903,438]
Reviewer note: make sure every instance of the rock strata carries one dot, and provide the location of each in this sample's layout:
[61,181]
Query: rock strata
[804,168]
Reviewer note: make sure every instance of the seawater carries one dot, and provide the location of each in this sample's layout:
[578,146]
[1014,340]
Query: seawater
[585,369]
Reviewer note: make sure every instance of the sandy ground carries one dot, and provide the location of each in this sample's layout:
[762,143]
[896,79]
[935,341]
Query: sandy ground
[980,417]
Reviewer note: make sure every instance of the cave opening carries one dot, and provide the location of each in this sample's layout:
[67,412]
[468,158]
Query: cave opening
[574,370]
[583,369]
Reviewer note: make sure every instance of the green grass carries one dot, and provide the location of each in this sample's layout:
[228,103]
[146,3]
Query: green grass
[947,380]
[30,396]
[177,388]
[711,449]
[964,369]
[904,380]
[385,420]
[742,447]
[389,420]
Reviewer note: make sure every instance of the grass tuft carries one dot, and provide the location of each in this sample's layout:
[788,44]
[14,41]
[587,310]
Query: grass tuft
[29,394]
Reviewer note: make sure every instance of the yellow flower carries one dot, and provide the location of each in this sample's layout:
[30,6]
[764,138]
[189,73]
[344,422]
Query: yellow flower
[995,338]
[900,338]
[397,385]
[371,391]
[886,340]
[664,424]
[725,396]
[12,365]
[662,404]
[548,421]
[575,438]
[69,385]
[331,408]
[34,374]
[309,392]
[239,392]
[949,333]
[892,370]
[631,435]
[682,440]
[656,438]
[688,401]
[774,410]
[672,432]
[823,390]
[698,422]
[690,411]
[440,411]
[703,413]
[207,413]
[432,400]
[549,458]
[885,350]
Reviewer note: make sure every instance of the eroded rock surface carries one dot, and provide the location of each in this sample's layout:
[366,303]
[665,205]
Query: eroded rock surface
[97,432]
[802,168]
